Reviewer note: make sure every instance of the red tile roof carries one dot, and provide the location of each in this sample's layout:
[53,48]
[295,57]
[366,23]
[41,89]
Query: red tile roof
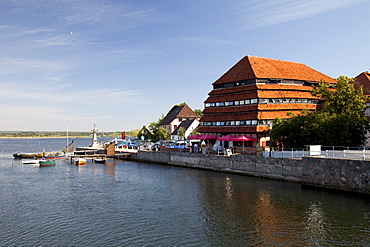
[363,80]
[251,67]
[183,111]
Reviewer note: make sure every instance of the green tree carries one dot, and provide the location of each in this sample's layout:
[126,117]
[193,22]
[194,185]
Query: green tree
[144,131]
[340,121]
[198,112]
[181,132]
[153,132]
[345,99]
[133,132]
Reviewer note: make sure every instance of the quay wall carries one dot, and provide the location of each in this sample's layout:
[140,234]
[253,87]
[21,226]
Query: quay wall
[340,174]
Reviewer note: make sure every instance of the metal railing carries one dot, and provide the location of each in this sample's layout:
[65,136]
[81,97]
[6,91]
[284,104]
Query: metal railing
[329,152]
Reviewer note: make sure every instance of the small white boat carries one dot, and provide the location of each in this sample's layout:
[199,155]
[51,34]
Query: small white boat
[80,162]
[100,160]
[30,162]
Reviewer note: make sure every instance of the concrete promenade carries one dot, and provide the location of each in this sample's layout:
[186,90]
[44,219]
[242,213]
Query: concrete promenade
[339,174]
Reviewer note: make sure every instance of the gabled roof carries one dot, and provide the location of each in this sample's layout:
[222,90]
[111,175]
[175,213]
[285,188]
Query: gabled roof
[182,111]
[184,124]
[363,80]
[251,67]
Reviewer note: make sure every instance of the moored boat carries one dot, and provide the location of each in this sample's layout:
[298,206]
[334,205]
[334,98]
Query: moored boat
[80,162]
[20,155]
[30,162]
[47,163]
[100,160]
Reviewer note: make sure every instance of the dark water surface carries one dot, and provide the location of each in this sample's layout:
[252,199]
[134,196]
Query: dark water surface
[140,204]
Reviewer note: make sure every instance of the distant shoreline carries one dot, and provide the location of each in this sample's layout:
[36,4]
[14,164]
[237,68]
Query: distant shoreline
[41,137]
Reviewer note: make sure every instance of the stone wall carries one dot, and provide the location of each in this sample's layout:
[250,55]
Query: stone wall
[343,174]
[284,169]
[350,175]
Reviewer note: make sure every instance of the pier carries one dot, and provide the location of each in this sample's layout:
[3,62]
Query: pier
[117,156]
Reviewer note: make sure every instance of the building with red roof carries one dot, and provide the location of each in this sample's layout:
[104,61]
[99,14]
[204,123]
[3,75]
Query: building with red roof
[255,91]
[176,116]
[363,80]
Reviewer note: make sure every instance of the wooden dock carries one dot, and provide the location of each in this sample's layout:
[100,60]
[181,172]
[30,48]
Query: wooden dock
[117,156]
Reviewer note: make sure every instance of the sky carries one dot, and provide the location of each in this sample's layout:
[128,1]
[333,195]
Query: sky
[121,64]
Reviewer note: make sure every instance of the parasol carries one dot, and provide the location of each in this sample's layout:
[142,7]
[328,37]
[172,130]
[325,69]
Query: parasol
[197,136]
[244,138]
[208,137]
[227,138]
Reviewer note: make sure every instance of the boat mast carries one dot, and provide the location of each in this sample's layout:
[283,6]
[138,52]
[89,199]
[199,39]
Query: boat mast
[67,135]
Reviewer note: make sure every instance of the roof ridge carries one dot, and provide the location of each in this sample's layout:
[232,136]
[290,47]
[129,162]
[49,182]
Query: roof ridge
[251,66]
[275,59]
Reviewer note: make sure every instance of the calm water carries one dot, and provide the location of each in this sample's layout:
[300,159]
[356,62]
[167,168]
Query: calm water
[139,204]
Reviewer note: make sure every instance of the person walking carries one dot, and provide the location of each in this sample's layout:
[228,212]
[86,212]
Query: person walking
[195,148]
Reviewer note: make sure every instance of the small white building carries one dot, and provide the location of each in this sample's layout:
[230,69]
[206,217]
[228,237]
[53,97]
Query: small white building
[176,116]
[188,125]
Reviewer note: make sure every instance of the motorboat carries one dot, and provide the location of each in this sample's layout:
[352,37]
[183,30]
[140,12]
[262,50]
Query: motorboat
[80,162]
[100,160]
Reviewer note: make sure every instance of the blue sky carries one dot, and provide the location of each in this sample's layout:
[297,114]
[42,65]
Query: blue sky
[121,64]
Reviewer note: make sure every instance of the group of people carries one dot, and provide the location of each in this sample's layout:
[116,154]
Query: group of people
[216,147]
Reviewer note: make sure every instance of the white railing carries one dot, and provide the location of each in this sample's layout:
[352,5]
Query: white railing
[338,154]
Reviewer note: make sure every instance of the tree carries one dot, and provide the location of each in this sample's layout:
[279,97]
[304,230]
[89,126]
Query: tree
[198,112]
[153,132]
[144,131]
[181,132]
[340,121]
[345,99]
[133,132]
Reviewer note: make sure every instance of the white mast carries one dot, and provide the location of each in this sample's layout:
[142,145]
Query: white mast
[67,135]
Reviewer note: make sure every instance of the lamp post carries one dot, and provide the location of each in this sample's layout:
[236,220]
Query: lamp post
[270,142]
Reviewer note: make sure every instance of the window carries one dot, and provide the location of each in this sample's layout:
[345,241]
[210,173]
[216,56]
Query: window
[254,122]
[253,101]
[237,102]
[242,102]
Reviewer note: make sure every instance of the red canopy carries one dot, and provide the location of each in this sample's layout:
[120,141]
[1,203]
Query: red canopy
[227,138]
[244,139]
[207,137]
[197,136]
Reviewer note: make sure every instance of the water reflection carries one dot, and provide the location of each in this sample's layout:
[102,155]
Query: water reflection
[110,169]
[266,222]
[314,229]
[228,188]
[130,203]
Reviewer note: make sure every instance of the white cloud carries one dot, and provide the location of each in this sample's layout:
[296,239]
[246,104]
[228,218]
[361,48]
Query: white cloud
[55,93]
[22,65]
[256,14]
